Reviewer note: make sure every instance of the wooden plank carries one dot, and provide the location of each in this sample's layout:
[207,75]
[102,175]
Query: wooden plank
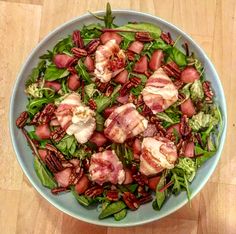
[37,2]
[16,42]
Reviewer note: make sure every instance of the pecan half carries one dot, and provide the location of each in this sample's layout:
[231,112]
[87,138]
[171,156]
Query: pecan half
[22,119]
[185,129]
[112,195]
[207,91]
[125,88]
[57,134]
[94,191]
[101,86]
[92,104]
[146,110]
[131,201]
[76,175]
[78,52]
[135,81]
[57,190]
[178,84]
[53,162]
[77,39]
[172,69]
[145,199]
[143,36]
[140,178]
[166,37]
[92,46]
[55,151]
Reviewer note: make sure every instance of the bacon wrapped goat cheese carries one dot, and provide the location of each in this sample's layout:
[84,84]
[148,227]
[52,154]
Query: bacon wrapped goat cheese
[157,155]
[124,122]
[159,92]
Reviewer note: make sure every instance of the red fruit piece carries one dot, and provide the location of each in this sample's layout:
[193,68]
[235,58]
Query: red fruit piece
[89,64]
[98,138]
[82,185]
[107,36]
[62,60]
[43,131]
[187,108]
[189,150]
[123,99]
[42,154]
[136,47]
[63,177]
[53,85]
[137,146]
[122,77]
[155,61]
[152,182]
[141,65]
[128,176]
[176,127]
[189,75]
[108,111]
[73,82]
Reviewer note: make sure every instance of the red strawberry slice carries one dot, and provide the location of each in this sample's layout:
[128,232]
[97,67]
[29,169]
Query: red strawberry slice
[136,47]
[73,82]
[155,61]
[189,150]
[122,77]
[128,176]
[42,154]
[187,108]
[98,138]
[108,111]
[123,99]
[152,182]
[107,36]
[53,85]
[172,127]
[82,185]
[189,75]
[63,177]
[43,131]
[62,60]
[89,64]
[141,65]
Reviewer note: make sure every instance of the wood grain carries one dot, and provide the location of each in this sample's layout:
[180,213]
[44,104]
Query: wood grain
[211,23]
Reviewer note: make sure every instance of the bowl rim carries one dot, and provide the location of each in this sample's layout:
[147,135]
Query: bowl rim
[107,223]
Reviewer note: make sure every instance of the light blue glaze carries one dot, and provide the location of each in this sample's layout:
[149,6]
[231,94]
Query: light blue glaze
[66,202]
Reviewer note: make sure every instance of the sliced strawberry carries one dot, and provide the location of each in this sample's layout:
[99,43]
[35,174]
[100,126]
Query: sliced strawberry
[189,75]
[62,60]
[98,138]
[107,36]
[43,131]
[152,182]
[187,108]
[172,127]
[128,176]
[73,82]
[53,85]
[89,64]
[122,77]
[141,65]
[108,111]
[136,47]
[123,99]
[82,185]
[42,154]
[189,150]
[63,177]
[155,61]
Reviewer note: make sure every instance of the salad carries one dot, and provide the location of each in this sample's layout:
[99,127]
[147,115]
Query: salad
[119,116]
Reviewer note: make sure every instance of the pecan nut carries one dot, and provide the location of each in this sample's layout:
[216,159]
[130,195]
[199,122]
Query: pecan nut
[178,84]
[22,119]
[125,88]
[72,70]
[57,134]
[185,129]
[145,199]
[92,104]
[112,195]
[140,178]
[131,201]
[172,69]
[135,81]
[55,151]
[94,191]
[78,52]
[143,36]
[77,39]
[57,190]
[92,46]
[76,175]
[207,91]
[166,37]
[53,162]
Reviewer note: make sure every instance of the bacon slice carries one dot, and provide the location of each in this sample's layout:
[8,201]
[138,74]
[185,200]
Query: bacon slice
[106,167]
[159,92]
[124,122]
[157,154]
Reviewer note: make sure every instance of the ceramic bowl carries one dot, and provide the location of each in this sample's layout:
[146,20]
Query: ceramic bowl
[66,202]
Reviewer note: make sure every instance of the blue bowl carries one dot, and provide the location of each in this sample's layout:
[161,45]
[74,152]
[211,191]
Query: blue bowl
[66,202]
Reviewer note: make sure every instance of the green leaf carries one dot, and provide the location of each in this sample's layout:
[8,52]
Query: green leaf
[99,122]
[205,155]
[165,117]
[54,73]
[154,30]
[111,209]
[44,175]
[161,196]
[82,71]
[196,91]
[177,56]
[188,165]
[81,199]
[90,90]
[120,215]
[35,105]
[63,46]
[159,44]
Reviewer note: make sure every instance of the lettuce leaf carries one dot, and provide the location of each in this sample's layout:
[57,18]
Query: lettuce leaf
[196,90]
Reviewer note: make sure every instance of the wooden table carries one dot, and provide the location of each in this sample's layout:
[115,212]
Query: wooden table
[212,23]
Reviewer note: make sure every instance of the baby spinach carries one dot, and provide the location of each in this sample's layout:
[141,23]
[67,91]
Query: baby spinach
[82,199]
[188,165]
[204,155]
[111,209]
[120,215]
[67,145]
[53,73]
[177,56]
[160,196]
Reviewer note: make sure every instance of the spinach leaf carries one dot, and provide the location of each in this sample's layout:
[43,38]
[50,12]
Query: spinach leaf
[82,199]
[120,215]
[44,174]
[124,153]
[166,118]
[177,56]
[54,73]
[205,155]
[137,90]
[48,56]
[161,196]
[90,32]
[111,209]
[159,44]
[99,122]
[63,46]
[81,69]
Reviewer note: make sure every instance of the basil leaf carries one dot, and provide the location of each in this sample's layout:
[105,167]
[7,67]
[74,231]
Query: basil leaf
[54,73]
[205,155]
[99,123]
[81,69]
[111,209]
[44,175]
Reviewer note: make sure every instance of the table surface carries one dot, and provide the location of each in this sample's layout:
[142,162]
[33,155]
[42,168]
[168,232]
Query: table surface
[23,23]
